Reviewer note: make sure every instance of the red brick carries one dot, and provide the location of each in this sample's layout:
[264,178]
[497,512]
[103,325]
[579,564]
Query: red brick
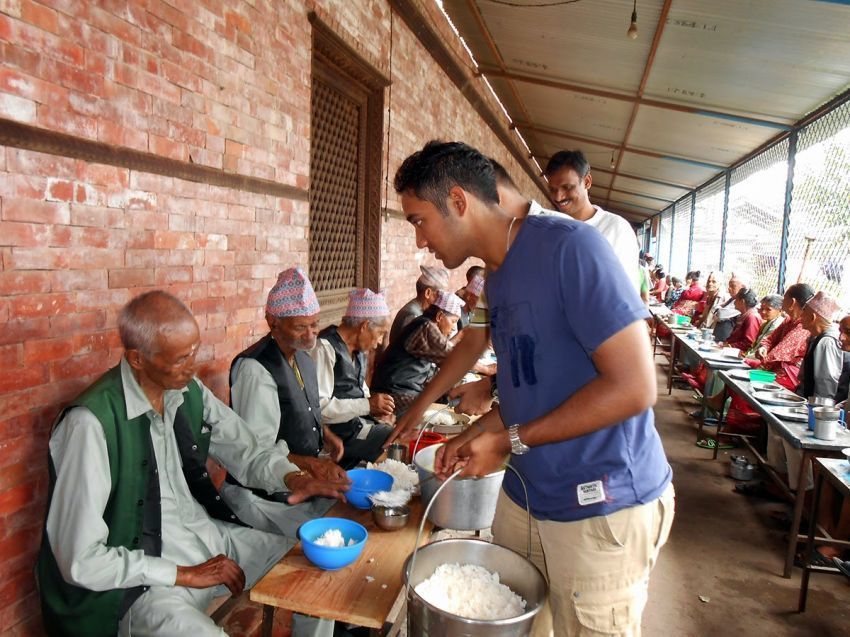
[58,258]
[96,342]
[73,280]
[37,211]
[103,175]
[19,331]
[28,162]
[11,356]
[168,276]
[78,366]
[13,499]
[23,282]
[37,305]
[66,122]
[167,148]
[12,380]
[23,617]
[117,135]
[47,350]
[83,321]
[33,88]
[82,215]
[131,278]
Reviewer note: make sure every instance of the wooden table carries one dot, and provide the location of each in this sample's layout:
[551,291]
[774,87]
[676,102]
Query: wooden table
[836,471]
[800,437]
[345,595]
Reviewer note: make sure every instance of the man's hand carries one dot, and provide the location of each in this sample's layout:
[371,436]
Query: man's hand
[474,397]
[217,570]
[320,468]
[405,427]
[447,459]
[333,444]
[381,405]
[485,453]
[303,487]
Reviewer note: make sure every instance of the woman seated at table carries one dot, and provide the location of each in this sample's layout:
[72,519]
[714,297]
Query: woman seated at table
[781,352]
[660,285]
[688,300]
[705,315]
[412,359]
[674,291]
[770,311]
[748,322]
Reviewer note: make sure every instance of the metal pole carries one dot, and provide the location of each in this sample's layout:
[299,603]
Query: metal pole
[691,236]
[672,233]
[786,212]
[725,220]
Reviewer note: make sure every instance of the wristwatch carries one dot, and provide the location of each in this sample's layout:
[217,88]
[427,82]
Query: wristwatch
[518,447]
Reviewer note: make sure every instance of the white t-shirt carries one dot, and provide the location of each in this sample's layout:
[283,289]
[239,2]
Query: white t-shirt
[622,238]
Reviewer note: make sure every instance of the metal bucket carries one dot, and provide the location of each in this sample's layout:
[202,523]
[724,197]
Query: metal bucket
[515,572]
[466,504]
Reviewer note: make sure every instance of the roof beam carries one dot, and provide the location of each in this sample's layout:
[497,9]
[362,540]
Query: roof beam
[667,184]
[642,101]
[614,146]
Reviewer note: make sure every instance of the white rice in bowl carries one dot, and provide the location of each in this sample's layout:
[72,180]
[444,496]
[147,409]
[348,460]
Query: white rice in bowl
[403,476]
[470,591]
[333,538]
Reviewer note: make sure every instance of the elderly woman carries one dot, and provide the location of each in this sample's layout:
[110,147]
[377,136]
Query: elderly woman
[748,323]
[706,315]
[412,359]
[824,357]
[770,311]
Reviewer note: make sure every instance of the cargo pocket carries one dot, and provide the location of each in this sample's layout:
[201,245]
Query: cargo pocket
[616,612]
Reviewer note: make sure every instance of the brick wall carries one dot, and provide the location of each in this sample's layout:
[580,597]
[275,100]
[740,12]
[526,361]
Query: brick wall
[224,85]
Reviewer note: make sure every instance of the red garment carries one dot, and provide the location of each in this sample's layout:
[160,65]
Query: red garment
[694,293]
[746,329]
[659,290]
[786,349]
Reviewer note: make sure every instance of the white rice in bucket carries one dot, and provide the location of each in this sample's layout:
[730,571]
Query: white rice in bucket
[470,591]
[403,476]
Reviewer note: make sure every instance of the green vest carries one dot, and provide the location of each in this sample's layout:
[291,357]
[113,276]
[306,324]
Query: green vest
[70,610]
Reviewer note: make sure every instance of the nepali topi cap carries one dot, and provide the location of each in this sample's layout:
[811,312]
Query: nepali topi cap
[292,295]
[364,303]
[476,285]
[449,302]
[434,277]
[823,305]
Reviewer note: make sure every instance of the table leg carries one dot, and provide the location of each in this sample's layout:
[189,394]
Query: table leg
[654,335]
[721,421]
[810,545]
[673,352]
[268,621]
[805,463]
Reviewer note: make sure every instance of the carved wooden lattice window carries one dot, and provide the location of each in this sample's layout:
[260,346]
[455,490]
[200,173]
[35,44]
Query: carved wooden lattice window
[345,171]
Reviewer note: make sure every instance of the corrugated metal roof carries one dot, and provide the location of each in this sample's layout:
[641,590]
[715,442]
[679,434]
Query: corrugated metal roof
[705,83]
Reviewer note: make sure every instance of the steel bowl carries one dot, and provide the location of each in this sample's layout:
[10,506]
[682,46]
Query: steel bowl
[391,518]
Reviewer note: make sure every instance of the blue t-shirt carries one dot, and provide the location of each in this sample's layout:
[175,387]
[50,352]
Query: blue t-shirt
[559,294]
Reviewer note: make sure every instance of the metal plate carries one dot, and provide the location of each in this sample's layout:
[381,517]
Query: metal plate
[796,414]
[783,399]
[739,374]
[461,421]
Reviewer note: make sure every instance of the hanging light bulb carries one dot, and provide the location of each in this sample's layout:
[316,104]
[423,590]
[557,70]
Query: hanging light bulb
[613,163]
[632,32]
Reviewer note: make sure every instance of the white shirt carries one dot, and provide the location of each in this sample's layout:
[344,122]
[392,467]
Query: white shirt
[75,526]
[335,410]
[622,238]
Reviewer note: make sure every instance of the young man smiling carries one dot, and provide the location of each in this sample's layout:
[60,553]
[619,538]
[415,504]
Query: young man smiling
[574,418]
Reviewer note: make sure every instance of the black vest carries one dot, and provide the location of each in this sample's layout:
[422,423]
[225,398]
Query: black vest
[399,372]
[300,414]
[807,386]
[349,375]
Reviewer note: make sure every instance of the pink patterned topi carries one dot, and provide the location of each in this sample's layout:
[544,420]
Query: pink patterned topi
[476,286]
[363,303]
[292,295]
[450,303]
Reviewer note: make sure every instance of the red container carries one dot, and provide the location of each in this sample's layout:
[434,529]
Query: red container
[428,438]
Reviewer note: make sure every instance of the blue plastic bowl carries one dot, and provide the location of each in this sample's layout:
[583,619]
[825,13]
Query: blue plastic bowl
[332,558]
[365,482]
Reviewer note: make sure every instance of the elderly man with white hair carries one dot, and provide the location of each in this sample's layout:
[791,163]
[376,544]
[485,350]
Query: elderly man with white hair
[350,410]
[137,538]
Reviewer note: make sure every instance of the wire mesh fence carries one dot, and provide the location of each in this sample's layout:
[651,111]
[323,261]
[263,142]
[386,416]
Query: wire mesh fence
[663,242]
[708,227]
[681,235]
[819,235]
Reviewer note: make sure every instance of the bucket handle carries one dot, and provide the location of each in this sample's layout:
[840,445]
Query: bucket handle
[425,425]
[425,513]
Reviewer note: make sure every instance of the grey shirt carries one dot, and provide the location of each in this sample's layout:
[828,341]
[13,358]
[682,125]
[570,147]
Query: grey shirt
[407,313]
[75,526]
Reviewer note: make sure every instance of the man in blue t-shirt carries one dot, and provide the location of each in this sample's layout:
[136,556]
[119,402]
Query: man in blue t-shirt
[576,386]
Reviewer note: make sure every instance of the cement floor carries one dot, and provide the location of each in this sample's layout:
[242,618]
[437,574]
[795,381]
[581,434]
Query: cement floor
[727,548]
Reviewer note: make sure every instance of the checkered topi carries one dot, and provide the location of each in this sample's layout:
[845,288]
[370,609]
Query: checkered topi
[450,303]
[823,305]
[476,286]
[292,295]
[363,303]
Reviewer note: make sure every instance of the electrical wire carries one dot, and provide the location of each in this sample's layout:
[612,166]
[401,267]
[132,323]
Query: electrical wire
[536,4]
